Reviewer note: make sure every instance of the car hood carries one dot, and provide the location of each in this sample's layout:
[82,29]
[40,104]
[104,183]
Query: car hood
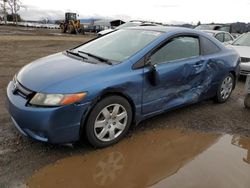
[54,69]
[244,51]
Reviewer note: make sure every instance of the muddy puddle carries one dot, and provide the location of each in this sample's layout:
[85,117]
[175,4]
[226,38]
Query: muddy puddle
[160,158]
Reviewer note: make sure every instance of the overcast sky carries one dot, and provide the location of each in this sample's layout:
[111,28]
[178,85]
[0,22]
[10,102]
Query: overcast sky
[190,11]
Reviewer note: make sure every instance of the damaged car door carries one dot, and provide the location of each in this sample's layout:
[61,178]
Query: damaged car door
[173,74]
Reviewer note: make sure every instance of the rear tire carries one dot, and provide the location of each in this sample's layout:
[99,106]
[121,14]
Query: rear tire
[63,28]
[225,88]
[247,101]
[71,29]
[108,121]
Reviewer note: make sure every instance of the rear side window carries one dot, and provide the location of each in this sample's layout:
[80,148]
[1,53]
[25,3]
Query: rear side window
[177,48]
[208,47]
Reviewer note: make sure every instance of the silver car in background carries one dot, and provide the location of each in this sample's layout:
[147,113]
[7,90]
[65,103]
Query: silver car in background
[221,36]
[133,23]
[242,46]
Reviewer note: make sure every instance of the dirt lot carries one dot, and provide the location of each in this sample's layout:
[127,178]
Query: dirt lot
[21,157]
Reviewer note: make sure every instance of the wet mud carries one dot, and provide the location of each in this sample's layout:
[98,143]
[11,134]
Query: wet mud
[163,158]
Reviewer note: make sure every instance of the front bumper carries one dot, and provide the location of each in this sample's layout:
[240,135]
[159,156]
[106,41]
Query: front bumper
[53,125]
[245,69]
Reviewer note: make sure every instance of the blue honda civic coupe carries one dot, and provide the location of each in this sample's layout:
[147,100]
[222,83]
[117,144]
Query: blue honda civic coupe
[98,89]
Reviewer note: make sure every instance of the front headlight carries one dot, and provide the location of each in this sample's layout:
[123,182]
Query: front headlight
[41,99]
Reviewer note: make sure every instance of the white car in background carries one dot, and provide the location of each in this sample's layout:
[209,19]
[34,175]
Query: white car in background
[129,24]
[242,46]
[221,36]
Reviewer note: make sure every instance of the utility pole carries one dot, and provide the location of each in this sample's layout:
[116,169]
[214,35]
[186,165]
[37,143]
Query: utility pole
[15,10]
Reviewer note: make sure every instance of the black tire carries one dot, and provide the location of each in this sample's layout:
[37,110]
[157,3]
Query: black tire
[63,28]
[247,101]
[71,29]
[89,126]
[219,98]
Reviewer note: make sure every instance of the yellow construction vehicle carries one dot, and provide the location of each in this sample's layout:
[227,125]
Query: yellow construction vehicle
[71,24]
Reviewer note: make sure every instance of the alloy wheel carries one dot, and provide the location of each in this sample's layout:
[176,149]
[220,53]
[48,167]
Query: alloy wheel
[110,122]
[226,87]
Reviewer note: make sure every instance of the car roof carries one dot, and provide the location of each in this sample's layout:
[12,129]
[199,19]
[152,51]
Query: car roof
[145,22]
[216,24]
[164,29]
[214,31]
[178,30]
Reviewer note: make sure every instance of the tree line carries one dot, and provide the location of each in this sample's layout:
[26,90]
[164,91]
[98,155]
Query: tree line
[9,10]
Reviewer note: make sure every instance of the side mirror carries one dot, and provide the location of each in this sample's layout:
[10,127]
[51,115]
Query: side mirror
[153,75]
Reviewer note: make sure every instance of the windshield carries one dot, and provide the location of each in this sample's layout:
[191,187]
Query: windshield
[243,40]
[119,45]
[129,24]
[71,16]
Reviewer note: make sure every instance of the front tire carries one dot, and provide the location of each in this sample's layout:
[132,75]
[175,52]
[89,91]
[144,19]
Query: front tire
[225,88]
[108,121]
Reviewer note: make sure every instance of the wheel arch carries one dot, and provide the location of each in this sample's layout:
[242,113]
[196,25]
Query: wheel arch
[117,92]
[104,94]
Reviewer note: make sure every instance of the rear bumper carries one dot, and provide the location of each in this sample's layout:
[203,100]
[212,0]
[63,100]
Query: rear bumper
[53,125]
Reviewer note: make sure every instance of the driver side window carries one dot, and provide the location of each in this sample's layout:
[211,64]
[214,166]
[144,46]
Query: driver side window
[177,48]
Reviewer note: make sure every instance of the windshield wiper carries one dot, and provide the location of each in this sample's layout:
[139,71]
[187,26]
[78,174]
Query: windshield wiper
[75,54]
[97,57]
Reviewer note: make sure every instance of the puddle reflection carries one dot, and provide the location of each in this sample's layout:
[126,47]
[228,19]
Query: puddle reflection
[161,158]
[140,161]
[221,166]
[244,143]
